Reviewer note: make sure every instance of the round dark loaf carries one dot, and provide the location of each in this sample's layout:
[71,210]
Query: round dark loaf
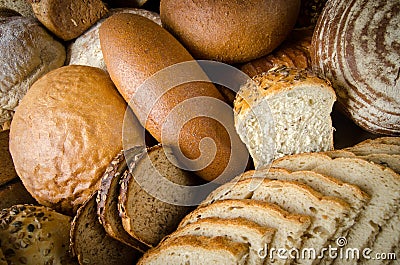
[134,49]
[229,31]
[356,46]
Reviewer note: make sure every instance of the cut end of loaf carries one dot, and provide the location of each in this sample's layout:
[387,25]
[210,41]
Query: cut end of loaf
[284,111]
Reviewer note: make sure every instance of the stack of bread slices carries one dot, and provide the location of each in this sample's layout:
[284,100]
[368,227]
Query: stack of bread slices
[304,209]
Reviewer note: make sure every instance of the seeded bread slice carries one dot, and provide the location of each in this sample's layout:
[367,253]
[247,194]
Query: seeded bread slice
[197,250]
[381,183]
[35,235]
[241,230]
[148,217]
[284,111]
[92,245]
[107,202]
[290,228]
[330,214]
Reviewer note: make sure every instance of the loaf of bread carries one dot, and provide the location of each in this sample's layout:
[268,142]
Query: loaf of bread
[65,132]
[27,52]
[135,48]
[364,73]
[284,111]
[35,235]
[90,243]
[86,50]
[21,6]
[68,19]
[229,31]
[150,207]
[294,52]
[107,202]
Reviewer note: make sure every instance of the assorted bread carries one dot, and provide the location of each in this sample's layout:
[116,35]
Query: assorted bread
[79,139]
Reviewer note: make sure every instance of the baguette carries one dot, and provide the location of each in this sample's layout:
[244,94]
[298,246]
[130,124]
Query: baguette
[134,49]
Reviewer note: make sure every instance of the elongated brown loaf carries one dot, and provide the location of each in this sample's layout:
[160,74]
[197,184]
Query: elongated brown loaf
[134,49]
[356,46]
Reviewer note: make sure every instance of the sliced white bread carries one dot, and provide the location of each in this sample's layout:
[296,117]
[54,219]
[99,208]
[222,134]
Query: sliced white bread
[330,215]
[284,111]
[255,236]
[197,250]
[107,202]
[290,228]
[148,217]
[381,183]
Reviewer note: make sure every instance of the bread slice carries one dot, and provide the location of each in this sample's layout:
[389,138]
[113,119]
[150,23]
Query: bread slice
[197,250]
[92,245]
[366,148]
[290,228]
[31,234]
[381,183]
[241,230]
[151,203]
[330,214]
[107,201]
[393,140]
[284,111]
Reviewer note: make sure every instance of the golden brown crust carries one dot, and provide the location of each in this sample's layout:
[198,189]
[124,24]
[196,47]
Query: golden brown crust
[66,131]
[229,31]
[68,19]
[134,49]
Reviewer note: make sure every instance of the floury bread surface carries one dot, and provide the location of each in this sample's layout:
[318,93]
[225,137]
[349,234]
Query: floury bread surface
[65,132]
[284,111]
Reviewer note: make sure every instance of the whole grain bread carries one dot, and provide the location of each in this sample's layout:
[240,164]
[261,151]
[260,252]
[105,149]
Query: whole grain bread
[381,183]
[68,19]
[90,243]
[197,250]
[149,195]
[27,52]
[284,111]
[241,230]
[107,202]
[290,228]
[65,133]
[38,234]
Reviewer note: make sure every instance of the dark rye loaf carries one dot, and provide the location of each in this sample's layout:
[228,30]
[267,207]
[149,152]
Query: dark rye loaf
[355,45]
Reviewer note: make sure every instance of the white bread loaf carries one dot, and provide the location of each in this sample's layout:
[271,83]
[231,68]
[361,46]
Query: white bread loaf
[355,46]
[27,52]
[86,50]
[241,230]
[197,250]
[284,111]
[381,183]
[290,228]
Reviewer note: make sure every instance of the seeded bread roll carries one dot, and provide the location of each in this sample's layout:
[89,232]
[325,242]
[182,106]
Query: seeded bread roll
[66,131]
[229,31]
[68,19]
[134,49]
[35,233]
[365,74]
[27,52]
[86,50]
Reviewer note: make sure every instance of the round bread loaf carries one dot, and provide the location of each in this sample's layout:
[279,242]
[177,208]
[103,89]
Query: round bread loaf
[65,132]
[229,31]
[68,19]
[35,235]
[86,50]
[27,52]
[356,46]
